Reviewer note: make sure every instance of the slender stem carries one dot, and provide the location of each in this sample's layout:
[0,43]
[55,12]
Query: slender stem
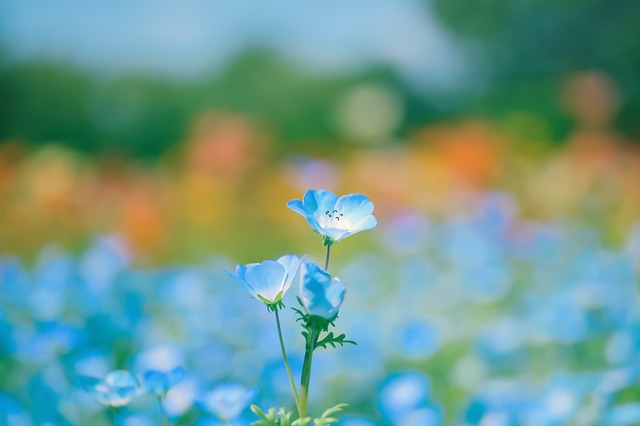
[286,362]
[306,372]
[114,416]
[163,414]
[326,262]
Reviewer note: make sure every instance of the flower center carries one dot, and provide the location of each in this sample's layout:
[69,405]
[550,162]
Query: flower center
[334,216]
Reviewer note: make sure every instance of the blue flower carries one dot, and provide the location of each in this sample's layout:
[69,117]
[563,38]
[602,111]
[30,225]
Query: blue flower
[270,280]
[403,393]
[159,382]
[228,400]
[115,389]
[335,218]
[321,294]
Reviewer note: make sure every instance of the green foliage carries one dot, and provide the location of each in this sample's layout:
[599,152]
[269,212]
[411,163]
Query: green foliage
[332,340]
[314,326]
[143,115]
[284,418]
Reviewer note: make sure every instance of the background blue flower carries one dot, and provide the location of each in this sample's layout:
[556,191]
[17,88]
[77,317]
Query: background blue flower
[160,382]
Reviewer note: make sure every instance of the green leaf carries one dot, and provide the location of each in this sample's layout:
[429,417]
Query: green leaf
[326,418]
[268,419]
[302,421]
[331,339]
[333,410]
[325,421]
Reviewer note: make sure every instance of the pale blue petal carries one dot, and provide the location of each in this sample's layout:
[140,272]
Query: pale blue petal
[354,207]
[318,203]
[160,382]
[336,234]
[228,401]
[323,200]
[120,378]
[313,223]
[156,382]
[335,293]
[266,278]
[175,376]
[291,265]
[298,207]
[368,222]
[321,295]
[239,276]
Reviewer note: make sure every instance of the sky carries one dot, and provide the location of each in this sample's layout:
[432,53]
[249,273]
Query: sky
[189,37]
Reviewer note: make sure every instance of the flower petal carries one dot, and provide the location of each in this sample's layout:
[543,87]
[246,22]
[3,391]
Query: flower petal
[266,279]
[366,223]
[239,276]
[336,234]
[321,294]
[298,207]
[354,208]
[291,265]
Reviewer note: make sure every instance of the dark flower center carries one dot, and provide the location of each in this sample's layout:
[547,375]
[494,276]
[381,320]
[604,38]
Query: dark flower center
[335,215]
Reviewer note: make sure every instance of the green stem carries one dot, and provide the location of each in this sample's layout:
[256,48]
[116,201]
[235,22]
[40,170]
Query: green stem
[286,362]
[312,339]
[326,262]
[163,414]
[114,415]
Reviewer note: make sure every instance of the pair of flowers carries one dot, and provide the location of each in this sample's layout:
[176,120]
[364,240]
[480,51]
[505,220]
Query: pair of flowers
[117,388]
[321,294]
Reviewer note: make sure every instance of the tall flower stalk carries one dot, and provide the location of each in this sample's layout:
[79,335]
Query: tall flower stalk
[287,366]
[320,295]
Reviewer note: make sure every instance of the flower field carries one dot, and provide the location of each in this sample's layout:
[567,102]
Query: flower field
[491,293]
[285,213]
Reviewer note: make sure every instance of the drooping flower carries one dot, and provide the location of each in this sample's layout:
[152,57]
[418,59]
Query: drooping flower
[335,218]
[160,382]
[270,280]
[228,400]
[114,390]
[320,293]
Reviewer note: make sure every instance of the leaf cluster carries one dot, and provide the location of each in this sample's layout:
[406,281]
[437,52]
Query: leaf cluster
[284,418]
[313,327]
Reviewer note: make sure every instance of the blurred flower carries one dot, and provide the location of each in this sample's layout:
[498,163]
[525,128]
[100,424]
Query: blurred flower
[159,382]
[270,280]
[228,400]
[335,218]
[321,294]
[115,389]
[11,411]
[624,414]
[416,339]
[402,394]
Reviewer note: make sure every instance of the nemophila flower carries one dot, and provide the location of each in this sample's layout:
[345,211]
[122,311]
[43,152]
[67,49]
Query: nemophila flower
[335,218]
[402,393]
[114,390]
[270,280]
[320,293]
[227,401]
[160,382]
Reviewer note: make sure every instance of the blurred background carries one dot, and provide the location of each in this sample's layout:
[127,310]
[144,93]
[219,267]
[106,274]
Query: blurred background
[147,146]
